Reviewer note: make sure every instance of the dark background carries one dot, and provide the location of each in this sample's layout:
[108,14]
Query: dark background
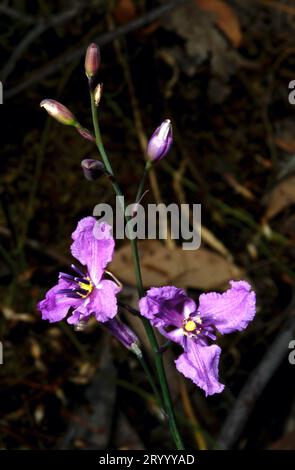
[220,71]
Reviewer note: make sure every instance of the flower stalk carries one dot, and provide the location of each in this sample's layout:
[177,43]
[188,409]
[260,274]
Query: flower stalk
[134,248]
[142,182]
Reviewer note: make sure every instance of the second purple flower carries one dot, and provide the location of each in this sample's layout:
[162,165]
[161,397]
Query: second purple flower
[194,328]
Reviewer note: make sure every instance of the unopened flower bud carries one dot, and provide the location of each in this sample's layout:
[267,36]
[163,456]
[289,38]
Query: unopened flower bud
[59,112]
[97,93]
[92,169]
[92,60]
[124,334]
[160,142]
[85,133]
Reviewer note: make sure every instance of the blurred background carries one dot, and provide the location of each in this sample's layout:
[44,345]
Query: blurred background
[220,70]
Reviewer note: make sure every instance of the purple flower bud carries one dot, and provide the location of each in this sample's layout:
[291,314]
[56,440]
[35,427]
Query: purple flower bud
[160,142]
[85,133]
[92,169]
[92,60]
[59,112]
[123,333]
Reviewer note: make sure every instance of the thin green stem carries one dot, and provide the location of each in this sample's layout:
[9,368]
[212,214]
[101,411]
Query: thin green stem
[142,182]
[99,142]
[150,378]
[158,357]
[148,328]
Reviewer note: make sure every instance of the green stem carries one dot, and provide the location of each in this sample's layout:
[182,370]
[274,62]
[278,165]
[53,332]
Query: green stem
[99,143]
[150,378]
[142,182]
[148,328]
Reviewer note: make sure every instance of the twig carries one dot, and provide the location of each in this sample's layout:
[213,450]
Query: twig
[207,236]
[39,248]
[17,15]
[257,381]
[190,413]
[4,254]
[279,6]
[41,26]
[78,51]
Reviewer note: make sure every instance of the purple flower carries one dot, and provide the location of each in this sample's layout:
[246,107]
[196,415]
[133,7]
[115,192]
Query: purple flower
[179,319]
[86,292]
[160,142]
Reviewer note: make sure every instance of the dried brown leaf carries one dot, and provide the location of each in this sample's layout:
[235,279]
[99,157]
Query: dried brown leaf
[10,314]
[284,138]
[286,144]
[287,442]
[202,42]
[201,269]
[226,19]
[282,196]
[124,11]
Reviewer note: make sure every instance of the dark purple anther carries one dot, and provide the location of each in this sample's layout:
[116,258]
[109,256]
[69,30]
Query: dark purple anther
[74,268]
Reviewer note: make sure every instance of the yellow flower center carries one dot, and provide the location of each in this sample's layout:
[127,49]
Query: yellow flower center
[190,326]
[88,287]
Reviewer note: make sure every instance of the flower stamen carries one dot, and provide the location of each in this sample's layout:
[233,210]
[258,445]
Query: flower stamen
[83,285]
[86,287]
[192,327]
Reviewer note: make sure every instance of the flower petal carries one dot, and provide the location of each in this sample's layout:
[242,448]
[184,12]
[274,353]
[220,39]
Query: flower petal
[103,301]
[122,332]
[93,246]
[78,316]
[200,364]
[176,335]
[231,311]
[56,306]
[166,306]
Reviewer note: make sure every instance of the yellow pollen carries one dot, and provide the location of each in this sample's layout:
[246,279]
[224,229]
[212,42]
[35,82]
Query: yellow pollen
[190,326]
[87,287]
